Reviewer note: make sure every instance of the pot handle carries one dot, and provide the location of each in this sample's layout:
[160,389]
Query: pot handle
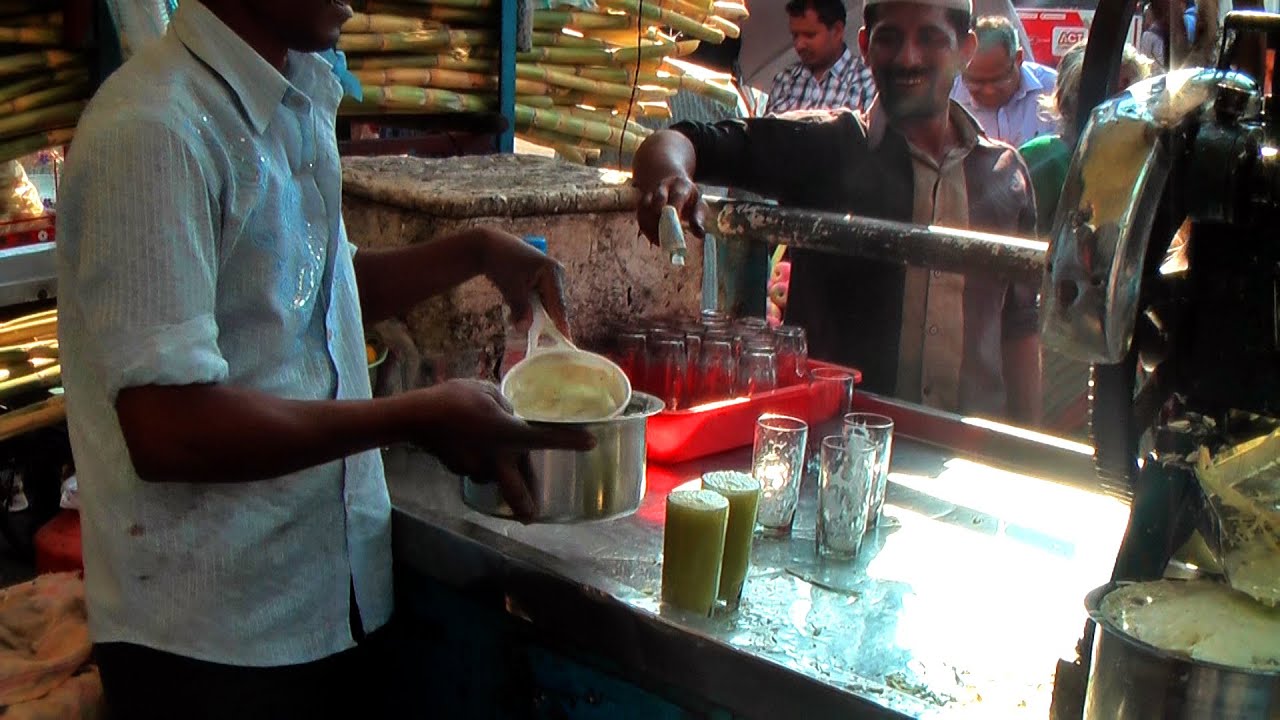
[541,328]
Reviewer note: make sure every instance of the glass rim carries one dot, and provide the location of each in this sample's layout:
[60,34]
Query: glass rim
[871,420]
[841,442]
[824,373]
[788,330]
[781,423]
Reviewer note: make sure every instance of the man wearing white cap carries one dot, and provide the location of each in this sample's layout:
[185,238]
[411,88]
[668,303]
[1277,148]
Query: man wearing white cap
[962,344]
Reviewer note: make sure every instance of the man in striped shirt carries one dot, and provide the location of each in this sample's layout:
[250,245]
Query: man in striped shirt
[829,75]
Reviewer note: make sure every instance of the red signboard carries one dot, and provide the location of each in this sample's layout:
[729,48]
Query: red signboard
[1053,32]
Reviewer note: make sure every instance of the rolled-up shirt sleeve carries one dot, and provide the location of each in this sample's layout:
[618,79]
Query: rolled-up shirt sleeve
[783,157]
[140,225]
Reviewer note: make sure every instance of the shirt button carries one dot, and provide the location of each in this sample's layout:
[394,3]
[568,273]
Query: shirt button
[933,329]
[937,273]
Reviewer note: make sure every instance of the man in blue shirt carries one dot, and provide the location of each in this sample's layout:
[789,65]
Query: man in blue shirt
[236,520]
[1001,90]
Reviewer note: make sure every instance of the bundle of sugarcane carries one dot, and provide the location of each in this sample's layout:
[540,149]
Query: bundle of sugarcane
[43,88]
[588,75]
[29,354]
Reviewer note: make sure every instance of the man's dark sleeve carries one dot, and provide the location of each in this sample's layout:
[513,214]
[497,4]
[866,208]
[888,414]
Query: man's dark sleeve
[1021,306]
[779,157]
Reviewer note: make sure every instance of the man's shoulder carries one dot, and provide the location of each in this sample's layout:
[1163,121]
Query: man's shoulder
[161,86]
[1045,75]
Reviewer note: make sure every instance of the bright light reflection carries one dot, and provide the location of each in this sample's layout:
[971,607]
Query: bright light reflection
[571,32]
[1025,434]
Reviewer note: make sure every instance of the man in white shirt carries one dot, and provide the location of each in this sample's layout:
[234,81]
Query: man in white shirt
[829,75]
[1002,91]
[235,514]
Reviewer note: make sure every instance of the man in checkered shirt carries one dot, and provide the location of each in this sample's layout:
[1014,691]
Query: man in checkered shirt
[829,75]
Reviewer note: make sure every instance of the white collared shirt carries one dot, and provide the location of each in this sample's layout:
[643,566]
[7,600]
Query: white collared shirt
[200,240]
[1024,117]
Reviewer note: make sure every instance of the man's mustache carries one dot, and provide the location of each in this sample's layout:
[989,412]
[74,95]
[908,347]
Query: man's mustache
[908,74]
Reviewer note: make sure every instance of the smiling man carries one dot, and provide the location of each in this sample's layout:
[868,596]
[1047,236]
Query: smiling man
[1005,93]
[964,344]
[237,525]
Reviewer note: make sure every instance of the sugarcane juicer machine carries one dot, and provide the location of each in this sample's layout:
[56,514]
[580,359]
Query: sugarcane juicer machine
[1163,272]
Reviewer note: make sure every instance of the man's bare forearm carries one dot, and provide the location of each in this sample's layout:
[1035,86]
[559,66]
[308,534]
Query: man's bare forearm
[224,434]
[391,282]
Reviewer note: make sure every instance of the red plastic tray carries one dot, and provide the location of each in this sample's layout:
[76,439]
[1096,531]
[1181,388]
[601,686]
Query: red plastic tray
[681,435]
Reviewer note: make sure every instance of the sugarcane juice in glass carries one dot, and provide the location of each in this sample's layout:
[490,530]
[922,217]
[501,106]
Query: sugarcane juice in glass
[743,493]
[693,549]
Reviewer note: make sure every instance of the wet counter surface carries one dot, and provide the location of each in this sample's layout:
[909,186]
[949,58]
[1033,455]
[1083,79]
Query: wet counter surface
[960,605]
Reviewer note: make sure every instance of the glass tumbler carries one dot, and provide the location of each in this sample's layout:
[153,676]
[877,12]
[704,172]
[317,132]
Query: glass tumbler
[757,371]
[629,353]
[876,430]
[716,371]
[844,488]
[667,370]
[793,355]
[777,462]
[838,382]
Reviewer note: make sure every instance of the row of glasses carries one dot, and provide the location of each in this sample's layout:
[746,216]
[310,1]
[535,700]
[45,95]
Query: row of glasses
[714,358]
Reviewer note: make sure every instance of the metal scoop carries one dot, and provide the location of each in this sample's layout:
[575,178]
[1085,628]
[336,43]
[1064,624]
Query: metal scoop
[559,383]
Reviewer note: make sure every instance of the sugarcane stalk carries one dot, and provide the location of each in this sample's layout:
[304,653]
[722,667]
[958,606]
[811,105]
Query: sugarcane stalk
[401,96]
[574,82]
[36,60]
[23,320]
[33,121]
[445,79]
[671,19]
[555,55]
[563,123]
[696,11]
[45,413]
[730,10]
[625,38]
[655,51]
[40,82]
[612,117]
[29,332]
[685,48]
[558,39]
[47,20]
[30,35]
[24,146]
[653,110]
[448,62]
[377,23]
[42,98]
[728,27]
[49,377]
[439,13]
[400,42]
[726,96]
[563,148]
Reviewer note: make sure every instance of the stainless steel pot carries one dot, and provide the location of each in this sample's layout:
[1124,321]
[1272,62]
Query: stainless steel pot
[573,487]
[1131,680]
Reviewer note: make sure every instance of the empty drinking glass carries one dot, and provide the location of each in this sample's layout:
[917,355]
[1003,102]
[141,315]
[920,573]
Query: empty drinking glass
[876,431]
[793,355]
[757,371]
[777,461]
[716,371]
[844,485]
[667,370]
[834,381]
[629,352]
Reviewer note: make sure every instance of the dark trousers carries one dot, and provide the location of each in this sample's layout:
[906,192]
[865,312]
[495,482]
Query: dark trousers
[141,684]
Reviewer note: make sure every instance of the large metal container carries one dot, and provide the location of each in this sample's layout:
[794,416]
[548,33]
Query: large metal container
[1131,680]
[573,487]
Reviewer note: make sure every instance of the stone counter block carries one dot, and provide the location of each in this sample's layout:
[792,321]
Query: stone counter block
[613,275]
